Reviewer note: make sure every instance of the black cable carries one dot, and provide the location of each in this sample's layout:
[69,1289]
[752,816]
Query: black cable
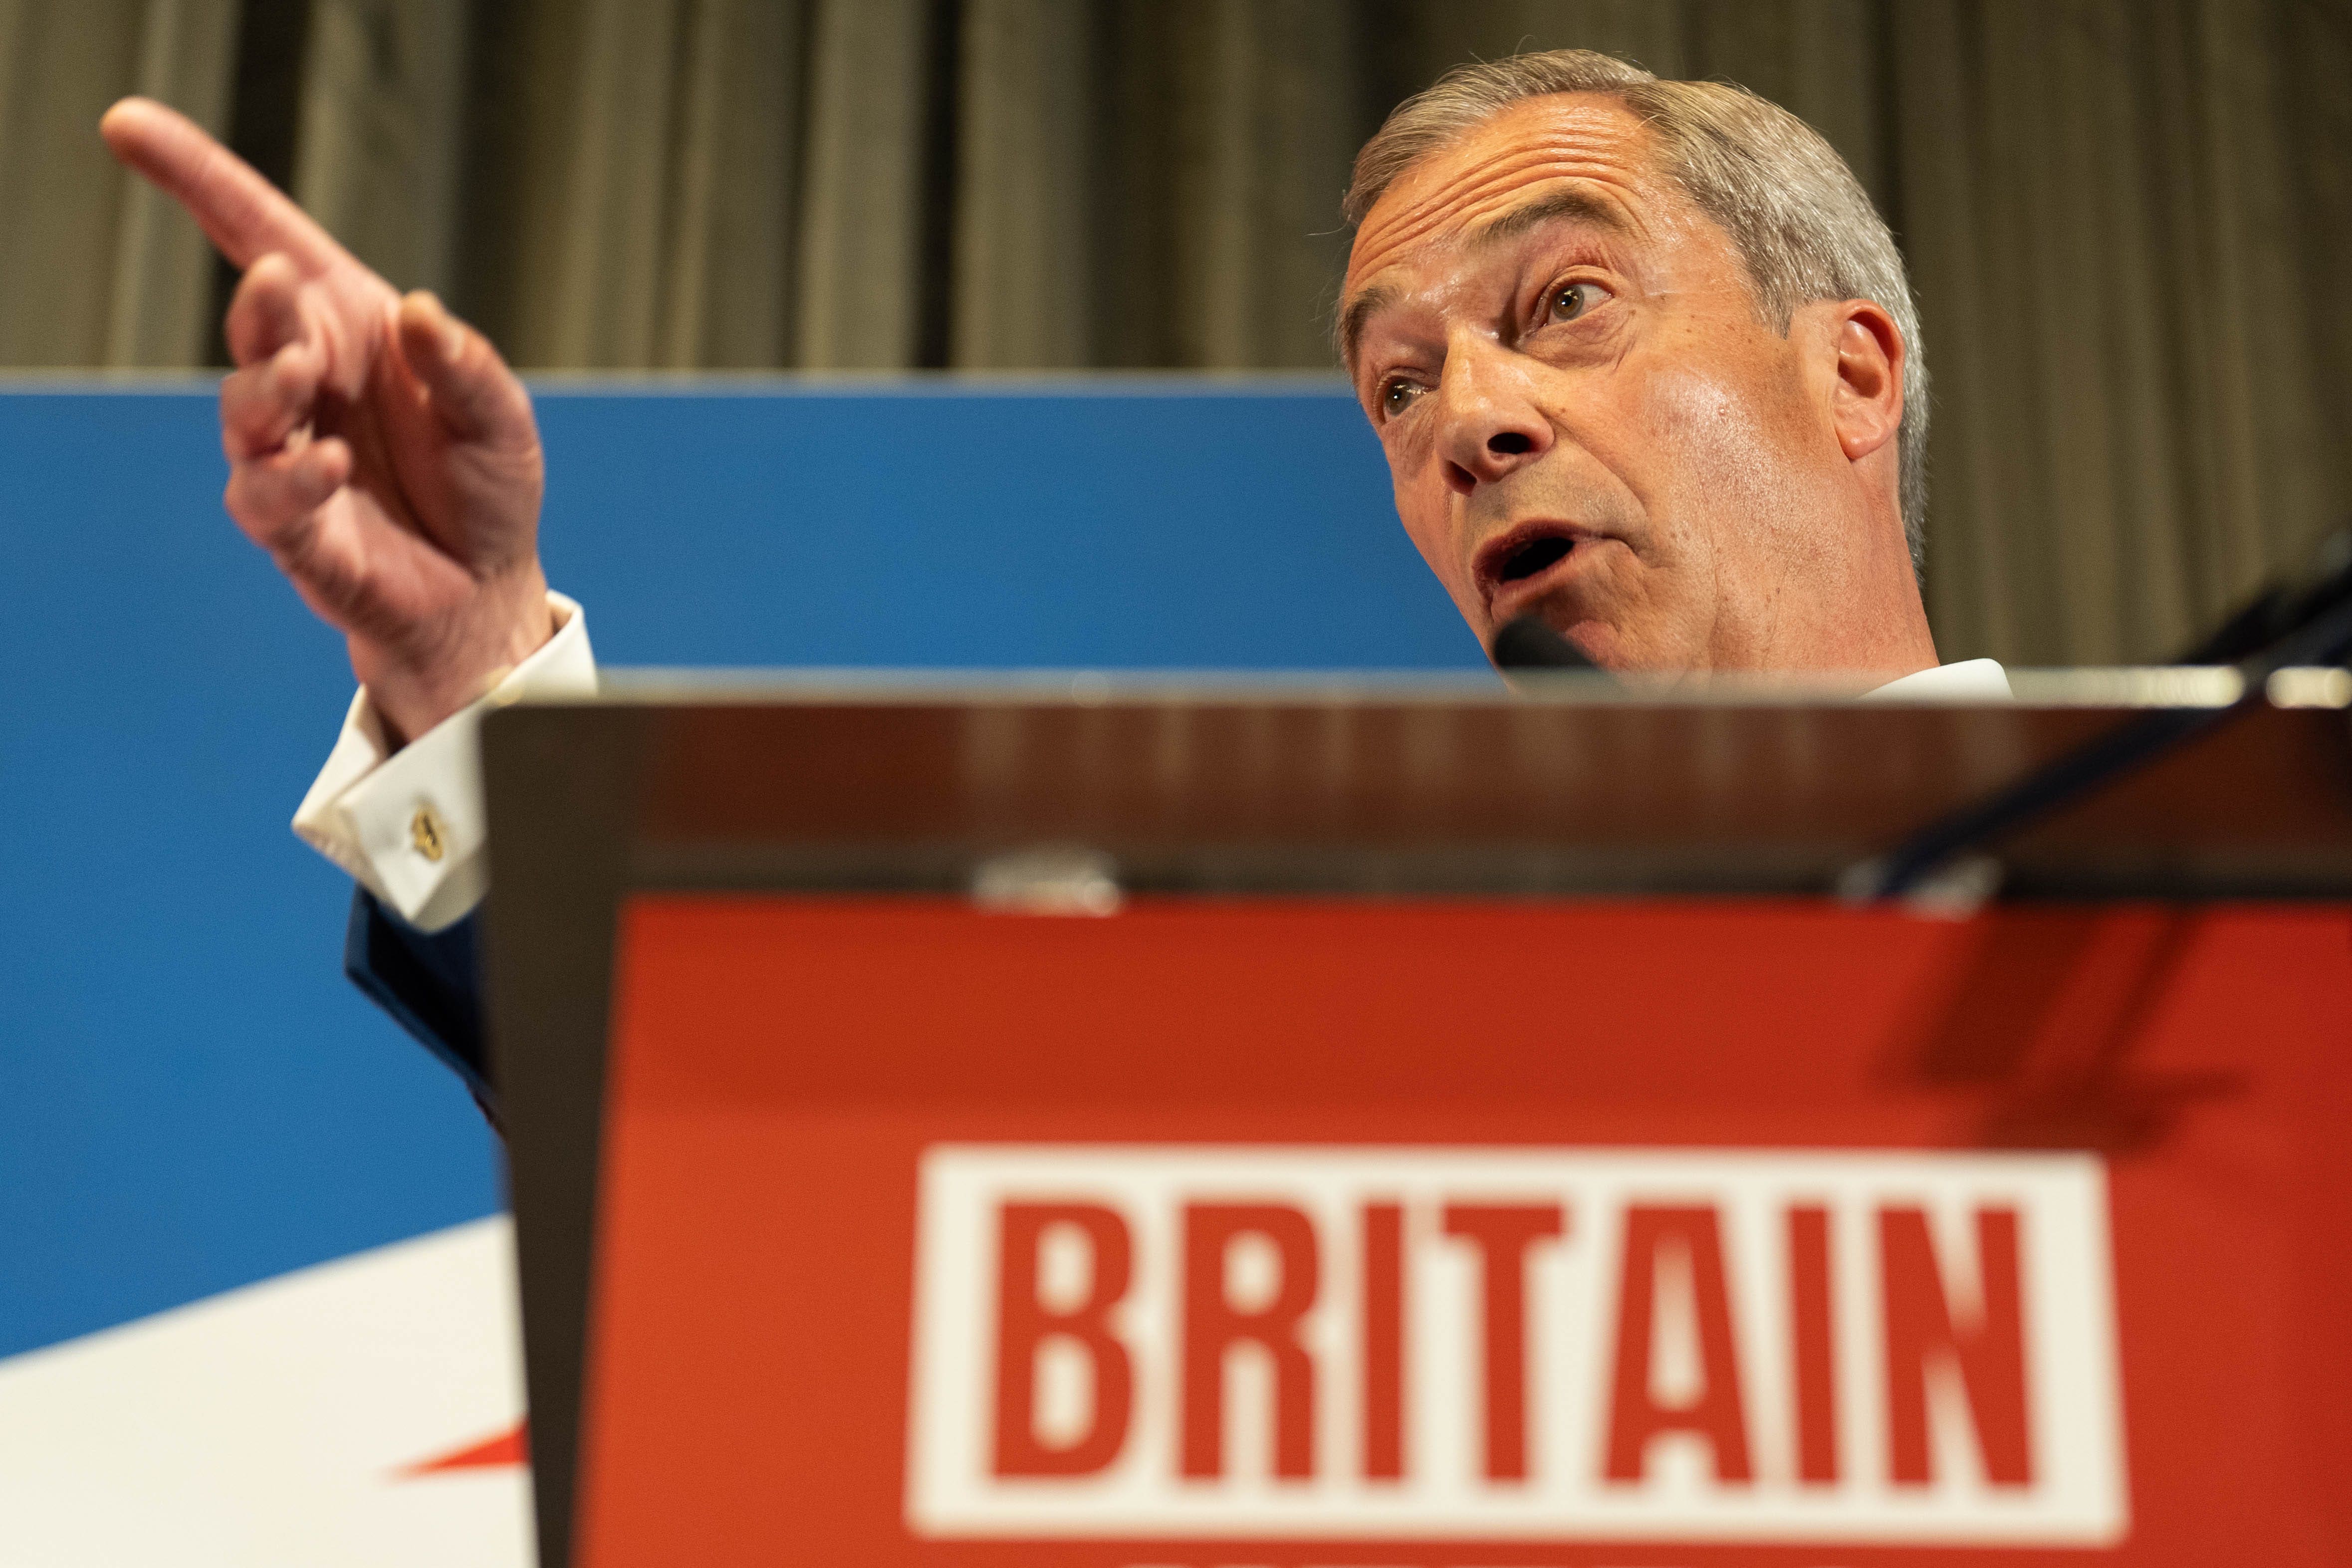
[2325,638]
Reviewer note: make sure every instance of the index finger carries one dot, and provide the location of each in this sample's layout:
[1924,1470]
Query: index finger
[241,212]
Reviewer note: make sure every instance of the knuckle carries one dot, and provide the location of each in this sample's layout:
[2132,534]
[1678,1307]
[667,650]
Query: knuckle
[262,499]
[294,546]
[240,392]
[246,491]
[247,508]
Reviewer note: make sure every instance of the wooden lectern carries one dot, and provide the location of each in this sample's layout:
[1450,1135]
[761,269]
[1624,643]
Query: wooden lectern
[1081,1124]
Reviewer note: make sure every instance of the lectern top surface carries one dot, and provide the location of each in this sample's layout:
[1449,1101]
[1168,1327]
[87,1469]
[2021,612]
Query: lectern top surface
[1368,783]
[2120,687]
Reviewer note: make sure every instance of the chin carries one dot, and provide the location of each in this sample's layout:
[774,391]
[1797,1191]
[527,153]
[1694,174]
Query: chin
[1658,640]
[1596,640]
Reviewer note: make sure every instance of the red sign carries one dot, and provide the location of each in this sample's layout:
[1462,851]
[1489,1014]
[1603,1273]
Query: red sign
[1443,1236]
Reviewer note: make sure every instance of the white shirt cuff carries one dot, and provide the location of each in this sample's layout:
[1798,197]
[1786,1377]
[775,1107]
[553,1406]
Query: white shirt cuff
[409,824]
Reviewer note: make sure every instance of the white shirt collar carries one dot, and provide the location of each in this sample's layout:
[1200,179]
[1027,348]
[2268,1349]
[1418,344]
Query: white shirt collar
[1969,680]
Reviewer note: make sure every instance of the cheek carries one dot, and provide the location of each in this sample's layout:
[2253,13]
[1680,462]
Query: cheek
[1720,456]
[1426,517]
[1702,428]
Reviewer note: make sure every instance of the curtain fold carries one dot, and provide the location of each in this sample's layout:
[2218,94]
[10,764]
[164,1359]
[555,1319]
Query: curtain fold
[867,262]
[2125,217]
[381,133]
[2120,251]
[95,269]
[1026,187]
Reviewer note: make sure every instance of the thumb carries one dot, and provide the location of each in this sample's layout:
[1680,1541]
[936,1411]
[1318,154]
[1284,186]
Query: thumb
[474,395]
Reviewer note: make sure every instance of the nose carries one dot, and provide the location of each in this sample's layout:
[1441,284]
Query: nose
[1488,423]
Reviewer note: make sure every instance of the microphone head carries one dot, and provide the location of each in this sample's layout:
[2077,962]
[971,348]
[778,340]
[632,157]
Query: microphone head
[1527,643]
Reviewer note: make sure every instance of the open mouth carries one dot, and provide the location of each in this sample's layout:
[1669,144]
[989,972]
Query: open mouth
[1521,556]
[1526,561]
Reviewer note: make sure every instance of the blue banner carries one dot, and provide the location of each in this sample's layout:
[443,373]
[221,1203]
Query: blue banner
[191,1097]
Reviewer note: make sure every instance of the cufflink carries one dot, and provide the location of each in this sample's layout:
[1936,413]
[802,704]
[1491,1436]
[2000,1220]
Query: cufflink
[428,834]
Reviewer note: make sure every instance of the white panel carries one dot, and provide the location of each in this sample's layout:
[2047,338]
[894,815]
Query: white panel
[269,1427]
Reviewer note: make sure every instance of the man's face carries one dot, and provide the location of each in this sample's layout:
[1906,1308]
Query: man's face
[1585,414]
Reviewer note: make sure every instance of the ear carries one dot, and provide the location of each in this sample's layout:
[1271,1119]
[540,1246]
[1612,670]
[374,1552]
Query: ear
[1866,394]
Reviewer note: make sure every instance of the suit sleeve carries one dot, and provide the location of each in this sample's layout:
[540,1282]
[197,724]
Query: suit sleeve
[430,983]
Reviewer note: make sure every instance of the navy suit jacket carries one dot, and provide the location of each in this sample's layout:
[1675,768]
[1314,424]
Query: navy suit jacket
[430,983]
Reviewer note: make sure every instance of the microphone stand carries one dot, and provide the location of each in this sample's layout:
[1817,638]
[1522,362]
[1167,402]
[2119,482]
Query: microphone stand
[2288,626]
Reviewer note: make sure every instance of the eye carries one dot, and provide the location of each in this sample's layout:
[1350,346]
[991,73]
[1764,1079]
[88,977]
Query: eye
[1571,300]
[1397,395]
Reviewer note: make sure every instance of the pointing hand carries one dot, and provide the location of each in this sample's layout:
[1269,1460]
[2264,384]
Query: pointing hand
[379,448]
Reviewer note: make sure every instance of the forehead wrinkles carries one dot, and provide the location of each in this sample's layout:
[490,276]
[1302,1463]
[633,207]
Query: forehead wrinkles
[1597,157]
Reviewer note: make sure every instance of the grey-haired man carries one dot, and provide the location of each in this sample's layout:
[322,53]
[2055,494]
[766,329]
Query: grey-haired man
[1642,359]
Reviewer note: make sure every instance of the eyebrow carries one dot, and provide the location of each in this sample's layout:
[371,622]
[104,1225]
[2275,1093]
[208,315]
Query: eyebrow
[1361,309]
[1574,205]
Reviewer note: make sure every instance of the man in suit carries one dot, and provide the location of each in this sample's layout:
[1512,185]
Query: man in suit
[1642,359]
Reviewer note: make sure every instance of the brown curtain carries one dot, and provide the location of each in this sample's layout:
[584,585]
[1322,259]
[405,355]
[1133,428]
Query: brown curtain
[94,269]
[2121,215]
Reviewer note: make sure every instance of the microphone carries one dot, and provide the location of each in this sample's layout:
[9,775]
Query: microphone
[1527,643]
[2285,607]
